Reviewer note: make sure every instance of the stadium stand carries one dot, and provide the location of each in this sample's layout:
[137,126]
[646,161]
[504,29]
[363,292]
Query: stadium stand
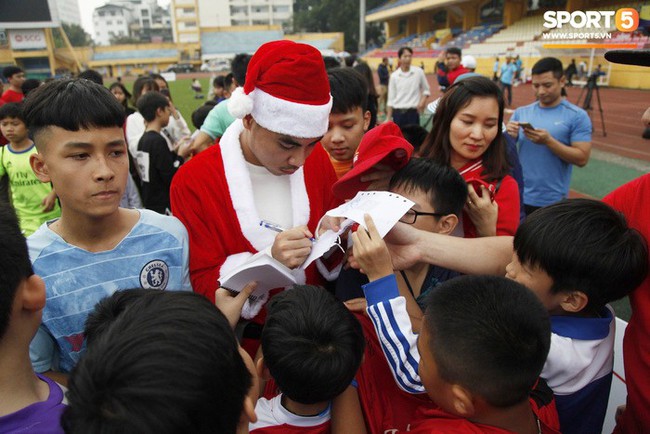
[230,43]
[135,54]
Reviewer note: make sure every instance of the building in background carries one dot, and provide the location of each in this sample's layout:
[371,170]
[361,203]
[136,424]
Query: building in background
[132,20]
[68,11]
[190,16]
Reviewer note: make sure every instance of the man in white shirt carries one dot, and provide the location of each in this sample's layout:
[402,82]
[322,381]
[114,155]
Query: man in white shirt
[408,90]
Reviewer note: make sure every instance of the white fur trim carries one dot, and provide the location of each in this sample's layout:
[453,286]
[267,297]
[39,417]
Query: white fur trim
[329,275]
[240,104]
[241,191]
[300,276]
[232,262]
[291,118]
[252,308]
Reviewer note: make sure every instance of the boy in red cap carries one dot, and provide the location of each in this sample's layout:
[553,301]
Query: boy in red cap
[269,168]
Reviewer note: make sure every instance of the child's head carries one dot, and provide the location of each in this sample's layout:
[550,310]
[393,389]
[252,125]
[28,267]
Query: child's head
[437,190]
[29,85]
[577,255]
[15,266]
[12,122]
[168,363]
[81,150]
[160,81]
[453,57]
[483,338]
[467,126]
[14,75]
[120,93]
[108,310]
[349,118]
[92,75]
[415,135]
[199,115]
[153,106]
[142,85]
[219,84]
[238,68]
[312,345]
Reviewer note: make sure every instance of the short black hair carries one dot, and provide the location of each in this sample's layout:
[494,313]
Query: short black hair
[489,334]
[403,49]
[15,265]
[238,67]
[227,81]
[547,64]
[454,50]
[169,363]
[584,245]
[107,310]
[29,85]
[92,75]
[12,110]
[311,344]
[219,81]
[199,115]
[349,90]
[415,135]
[149,103]
[445,187]
[87,105]
[331,62]
[8,71]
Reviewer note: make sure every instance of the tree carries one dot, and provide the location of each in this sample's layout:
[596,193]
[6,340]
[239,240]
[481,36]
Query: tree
[335,16]
[76,34]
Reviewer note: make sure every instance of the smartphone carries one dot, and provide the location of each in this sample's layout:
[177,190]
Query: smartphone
[477,183]
[526,126]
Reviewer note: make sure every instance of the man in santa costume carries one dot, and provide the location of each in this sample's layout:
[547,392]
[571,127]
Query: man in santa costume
[268,167]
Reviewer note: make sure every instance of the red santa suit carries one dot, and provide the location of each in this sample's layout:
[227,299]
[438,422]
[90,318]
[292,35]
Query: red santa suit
[212,195]
[632,200]
[506,196]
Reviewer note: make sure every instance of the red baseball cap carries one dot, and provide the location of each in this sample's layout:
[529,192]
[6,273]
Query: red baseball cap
[383,144]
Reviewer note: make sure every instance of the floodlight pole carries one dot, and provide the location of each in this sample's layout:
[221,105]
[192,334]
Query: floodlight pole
[362,26]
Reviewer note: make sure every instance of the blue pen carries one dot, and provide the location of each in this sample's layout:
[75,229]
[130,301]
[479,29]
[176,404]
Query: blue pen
[276,228]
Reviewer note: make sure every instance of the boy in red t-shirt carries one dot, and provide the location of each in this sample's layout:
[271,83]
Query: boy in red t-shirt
[16,77]
[481,348]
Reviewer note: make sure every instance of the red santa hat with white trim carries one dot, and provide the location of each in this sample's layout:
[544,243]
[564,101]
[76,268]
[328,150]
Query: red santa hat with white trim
[286,91]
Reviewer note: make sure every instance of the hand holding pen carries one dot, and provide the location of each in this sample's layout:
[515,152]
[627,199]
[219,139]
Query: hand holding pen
[292,246]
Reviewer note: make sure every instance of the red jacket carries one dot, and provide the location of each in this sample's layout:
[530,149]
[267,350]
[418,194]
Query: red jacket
[208,195]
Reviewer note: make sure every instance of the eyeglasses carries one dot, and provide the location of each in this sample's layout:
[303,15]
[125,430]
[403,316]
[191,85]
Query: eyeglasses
[412,215]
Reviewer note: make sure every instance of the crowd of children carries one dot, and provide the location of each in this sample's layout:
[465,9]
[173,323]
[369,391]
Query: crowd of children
[112,319]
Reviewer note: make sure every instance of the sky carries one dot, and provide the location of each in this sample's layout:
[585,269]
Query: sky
[86,8]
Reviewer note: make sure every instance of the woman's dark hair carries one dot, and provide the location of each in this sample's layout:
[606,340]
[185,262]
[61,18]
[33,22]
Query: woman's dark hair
[437,145]
[141,84]
[127,94]
[365,70]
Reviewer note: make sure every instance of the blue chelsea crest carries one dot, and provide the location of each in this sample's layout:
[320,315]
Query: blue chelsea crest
[154,275]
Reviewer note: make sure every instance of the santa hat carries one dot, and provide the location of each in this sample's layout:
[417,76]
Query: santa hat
[287,90]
